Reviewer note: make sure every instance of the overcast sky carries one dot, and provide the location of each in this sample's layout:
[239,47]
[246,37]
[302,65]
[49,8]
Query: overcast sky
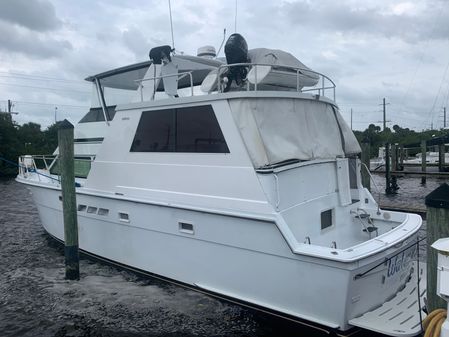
[371,49]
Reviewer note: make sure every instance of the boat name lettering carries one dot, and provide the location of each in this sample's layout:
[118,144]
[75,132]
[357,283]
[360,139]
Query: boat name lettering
[401,261]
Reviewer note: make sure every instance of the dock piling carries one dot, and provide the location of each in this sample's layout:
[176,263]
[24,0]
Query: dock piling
[394,157]
[388,189]
[441,158]
[67,165]
[401,157]
[437,203]
[423,161]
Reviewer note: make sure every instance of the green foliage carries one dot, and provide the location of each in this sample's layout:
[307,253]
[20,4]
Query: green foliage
[403,136]
[16,140]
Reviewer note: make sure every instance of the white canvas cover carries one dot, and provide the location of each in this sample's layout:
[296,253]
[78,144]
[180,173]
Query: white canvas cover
[279,58]
[278,129]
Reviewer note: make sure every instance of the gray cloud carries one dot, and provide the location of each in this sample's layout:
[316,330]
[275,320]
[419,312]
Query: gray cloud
[30,43]
[342,17]
[137,42]
[36,15]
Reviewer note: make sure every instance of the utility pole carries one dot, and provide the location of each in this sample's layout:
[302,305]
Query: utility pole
[384,121]
[56,110]
[9,109]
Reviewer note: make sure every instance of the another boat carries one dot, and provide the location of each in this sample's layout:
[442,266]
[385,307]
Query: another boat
[431,158]
[248,190]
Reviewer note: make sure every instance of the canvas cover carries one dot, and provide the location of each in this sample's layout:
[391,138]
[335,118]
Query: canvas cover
[279,129]
[278,57]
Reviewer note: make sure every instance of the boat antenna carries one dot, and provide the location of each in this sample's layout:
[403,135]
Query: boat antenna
[235,18]
[222,42]
[171,26]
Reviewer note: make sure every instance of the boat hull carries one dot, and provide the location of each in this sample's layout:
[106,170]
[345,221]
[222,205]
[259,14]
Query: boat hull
[239,258]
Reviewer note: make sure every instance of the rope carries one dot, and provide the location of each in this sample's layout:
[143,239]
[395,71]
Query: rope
[387,259]
[30,170]
[433,322]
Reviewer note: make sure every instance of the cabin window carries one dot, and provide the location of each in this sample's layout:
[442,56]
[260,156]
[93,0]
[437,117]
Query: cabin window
[82,167]
[96,115]
[190,129]
[326,219]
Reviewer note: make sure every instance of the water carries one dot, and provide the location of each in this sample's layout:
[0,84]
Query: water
[411,193]
[36,300]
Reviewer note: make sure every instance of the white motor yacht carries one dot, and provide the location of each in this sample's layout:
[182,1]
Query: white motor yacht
[240,179]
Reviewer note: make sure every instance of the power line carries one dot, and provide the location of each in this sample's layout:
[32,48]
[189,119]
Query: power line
[38,77]
[52,104]
[438,93]
[44,88]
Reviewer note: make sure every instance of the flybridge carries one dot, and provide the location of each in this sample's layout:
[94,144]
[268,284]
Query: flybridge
[169,75]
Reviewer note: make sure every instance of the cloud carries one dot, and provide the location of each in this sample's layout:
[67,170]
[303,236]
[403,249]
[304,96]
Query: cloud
[38,15]
[137,42]
[400,20]
[15,39]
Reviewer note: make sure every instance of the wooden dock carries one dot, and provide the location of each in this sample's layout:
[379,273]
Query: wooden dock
[415,174]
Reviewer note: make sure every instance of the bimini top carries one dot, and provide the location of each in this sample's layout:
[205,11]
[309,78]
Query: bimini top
[127,77]
[262,68]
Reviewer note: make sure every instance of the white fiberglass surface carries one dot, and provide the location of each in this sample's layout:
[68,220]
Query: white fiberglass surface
[349,231]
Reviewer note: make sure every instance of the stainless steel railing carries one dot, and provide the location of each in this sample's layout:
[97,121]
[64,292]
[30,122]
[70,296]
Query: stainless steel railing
[48,166]
[323,87]
[324,83]
[179,75]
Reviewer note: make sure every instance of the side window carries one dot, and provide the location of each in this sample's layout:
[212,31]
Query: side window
[156,132]
[191,129]
[96,115]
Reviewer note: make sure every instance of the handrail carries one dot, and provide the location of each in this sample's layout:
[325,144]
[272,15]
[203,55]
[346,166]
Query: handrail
[179,75]
[375,185]
[297,70]
[325,85]
[25,168]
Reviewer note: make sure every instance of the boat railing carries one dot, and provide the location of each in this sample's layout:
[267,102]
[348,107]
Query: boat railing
[31,163]
[48,166]
[324,85]
[179,75]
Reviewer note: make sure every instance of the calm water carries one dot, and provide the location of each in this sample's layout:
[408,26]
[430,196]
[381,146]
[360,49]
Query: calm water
[411,193]
[35,300]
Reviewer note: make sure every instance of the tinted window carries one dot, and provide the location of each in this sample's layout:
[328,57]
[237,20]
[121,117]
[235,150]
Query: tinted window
[156,132]
[192,129]
[96,115]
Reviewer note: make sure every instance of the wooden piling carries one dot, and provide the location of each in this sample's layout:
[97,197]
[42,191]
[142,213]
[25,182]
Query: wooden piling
[423,161]
[401,157]
[366,181]
[388,189]
[66,164]
[394,157]
[437,203]
[441,157]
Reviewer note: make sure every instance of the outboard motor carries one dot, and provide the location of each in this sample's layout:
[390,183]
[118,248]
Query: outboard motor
[236,51]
